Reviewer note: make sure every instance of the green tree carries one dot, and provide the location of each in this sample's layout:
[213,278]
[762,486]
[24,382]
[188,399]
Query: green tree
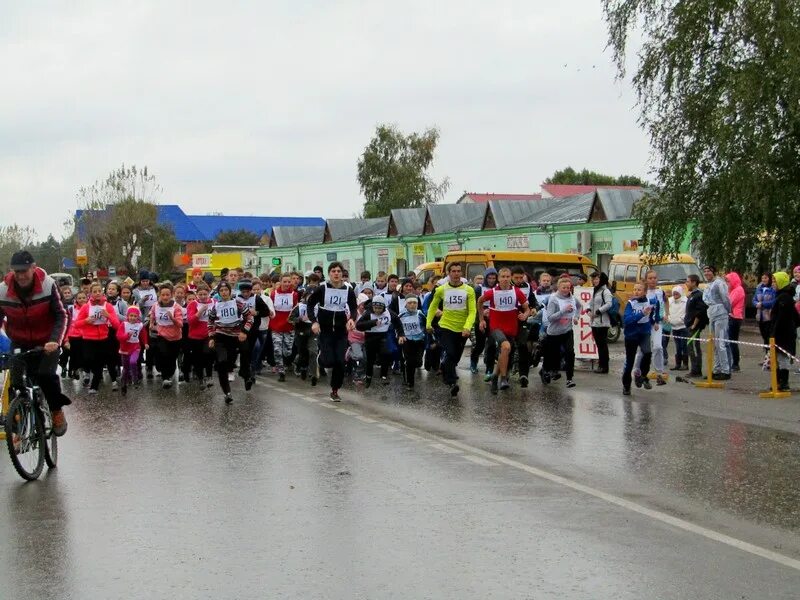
[12,239]
[586,177]
[718,87]
[393,171]
[238,237]
[119,220]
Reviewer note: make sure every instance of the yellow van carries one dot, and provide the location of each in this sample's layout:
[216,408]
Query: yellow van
[426,270]
[626,269]
[475,262]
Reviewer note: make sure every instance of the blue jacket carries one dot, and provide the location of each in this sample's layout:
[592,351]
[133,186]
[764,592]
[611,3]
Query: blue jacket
[635,321]
[768,296]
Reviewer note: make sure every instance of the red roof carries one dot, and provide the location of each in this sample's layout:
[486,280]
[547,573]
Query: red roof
[557,190]
[483,198]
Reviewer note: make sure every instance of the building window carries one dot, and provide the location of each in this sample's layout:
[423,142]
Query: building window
[308,265]
[346,265]
[383,263]
[359,266]
[418,260]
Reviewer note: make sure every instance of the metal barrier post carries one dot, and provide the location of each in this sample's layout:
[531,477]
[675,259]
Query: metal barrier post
[709,382]
[773,374]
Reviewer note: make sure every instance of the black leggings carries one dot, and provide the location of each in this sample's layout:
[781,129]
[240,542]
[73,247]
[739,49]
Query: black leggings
[228,348]
[601,340]
[734,326]
[376,347]
[198,358]
[480,344]
[94,356]
[553,355]
[632,345]
[412,354]
[453,343]
[167,357]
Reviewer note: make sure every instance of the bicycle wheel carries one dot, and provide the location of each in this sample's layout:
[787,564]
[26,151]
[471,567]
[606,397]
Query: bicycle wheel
[25,438]
[51,441]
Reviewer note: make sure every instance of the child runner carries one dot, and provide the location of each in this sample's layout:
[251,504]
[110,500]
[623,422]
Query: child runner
[375,323]
[258,310]
[75,341]
[412,338]
[563,309]
[306,341]
[677,320]
[199,357]
[132,337]
[508,305]
[640,316]
[284,299]
[228,324]
[145,297]
[457,318]
[167,316]
[488,282]
[654,292]
[331,308]
[95,318]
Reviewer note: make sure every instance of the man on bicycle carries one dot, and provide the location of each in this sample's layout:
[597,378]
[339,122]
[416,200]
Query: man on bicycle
[30,303]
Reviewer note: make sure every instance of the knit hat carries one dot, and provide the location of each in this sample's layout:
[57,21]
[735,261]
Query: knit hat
[379,300]
[362,297]
[245,284]
[208,277]
[144,274]
[134,310]
[781,279]
[679,289]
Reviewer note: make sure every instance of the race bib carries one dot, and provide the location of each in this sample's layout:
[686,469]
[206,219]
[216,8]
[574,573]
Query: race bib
[335,299]
[302,311]
[148,297]
[227,312]
[132,331]
[284,302]
[383,320]
[94,312]
[163,315]
[202,311]
[455,299]
[505,300]
[411,326]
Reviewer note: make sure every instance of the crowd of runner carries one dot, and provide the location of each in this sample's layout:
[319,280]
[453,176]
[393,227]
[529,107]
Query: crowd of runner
[313,326]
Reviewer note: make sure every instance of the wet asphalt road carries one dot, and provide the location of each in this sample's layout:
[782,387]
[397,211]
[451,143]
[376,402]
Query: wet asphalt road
[532,494]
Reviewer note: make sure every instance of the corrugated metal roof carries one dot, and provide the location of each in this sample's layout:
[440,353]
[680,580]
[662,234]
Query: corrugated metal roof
[574,209]
[409,221]
[509,213]
[559,190]
[457,217]
[213,225]
[478,198]
[341,230]
[618,203]
[292,236]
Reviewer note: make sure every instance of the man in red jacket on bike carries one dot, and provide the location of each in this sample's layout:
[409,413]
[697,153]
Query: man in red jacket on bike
[30,303]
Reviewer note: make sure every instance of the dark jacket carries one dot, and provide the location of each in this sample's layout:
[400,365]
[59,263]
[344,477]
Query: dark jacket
[696,308]
[785,319]
[365,322]
[34,318]
[330,322]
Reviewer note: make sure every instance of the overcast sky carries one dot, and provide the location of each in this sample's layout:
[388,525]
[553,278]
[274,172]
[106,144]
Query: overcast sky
[264,108]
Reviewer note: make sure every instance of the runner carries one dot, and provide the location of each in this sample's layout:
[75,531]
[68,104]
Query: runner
[228,324]
[412,338]
[258,310]
[95,319]
[657,334]
[488,283]
[284,299]
[457,318]
[132,337]
[519,279]
[640,316]
[331,308]
[167,316]
[508,306]
[375,323]
[199,358]
[562,313]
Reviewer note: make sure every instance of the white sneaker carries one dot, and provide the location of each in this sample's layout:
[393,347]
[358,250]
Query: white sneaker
[92,392]
[231,377]
[114,386]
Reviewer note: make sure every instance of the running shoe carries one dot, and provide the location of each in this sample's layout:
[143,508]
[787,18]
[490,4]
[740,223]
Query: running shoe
[281,376]
[646,383]
[59,423]
[454,390]
[504,385]
[523,382]
[335,396]
[570,383]
[385,380]
[545,376]
[228,398]
[626,391]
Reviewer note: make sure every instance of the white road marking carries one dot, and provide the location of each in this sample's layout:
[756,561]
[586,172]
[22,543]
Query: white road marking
[480,461]
[444,448]
[365,419]
[656,515]
[344,411]
[414,436]
[327,405]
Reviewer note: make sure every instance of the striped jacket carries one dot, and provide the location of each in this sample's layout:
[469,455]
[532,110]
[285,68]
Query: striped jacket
[38,317]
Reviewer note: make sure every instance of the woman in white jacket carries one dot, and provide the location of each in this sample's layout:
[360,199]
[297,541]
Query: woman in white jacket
[677,313]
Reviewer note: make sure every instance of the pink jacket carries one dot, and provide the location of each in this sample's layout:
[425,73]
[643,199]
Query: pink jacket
[736,294]
[97,331]
[74,331]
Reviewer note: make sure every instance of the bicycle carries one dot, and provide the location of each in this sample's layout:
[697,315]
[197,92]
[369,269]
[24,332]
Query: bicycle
[29,424]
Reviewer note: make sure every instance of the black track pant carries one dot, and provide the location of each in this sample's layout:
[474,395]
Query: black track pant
[94,359]
[198,358]
[42,369]
[453,345]
[376,347]
[632,345]
[601,340]
[332,349]
[412,354]
[227,349]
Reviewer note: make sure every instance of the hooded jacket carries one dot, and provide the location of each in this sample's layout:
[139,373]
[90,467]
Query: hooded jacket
[766,295]
[785,319]
[601,303]
[716,298]
[37,317]
[736,295]
[97,330]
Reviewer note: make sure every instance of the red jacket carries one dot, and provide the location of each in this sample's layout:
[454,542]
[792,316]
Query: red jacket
[37,318]
[280,322]
[74,331]
[126,345]
[198,328]
[96,331]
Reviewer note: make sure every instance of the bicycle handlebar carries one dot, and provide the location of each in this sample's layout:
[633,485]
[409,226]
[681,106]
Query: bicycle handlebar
[7,356]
